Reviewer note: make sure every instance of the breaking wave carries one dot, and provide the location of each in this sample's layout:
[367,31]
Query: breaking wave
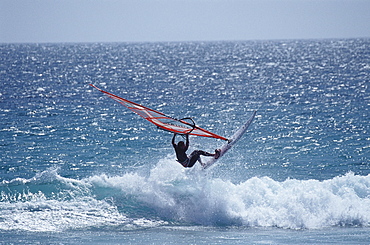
[168,194]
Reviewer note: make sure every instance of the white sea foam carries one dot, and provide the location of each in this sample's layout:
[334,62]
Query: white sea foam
[73,207]
[191,196]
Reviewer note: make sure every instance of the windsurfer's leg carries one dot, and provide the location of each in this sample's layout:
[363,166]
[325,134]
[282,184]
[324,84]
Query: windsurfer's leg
[204,153]
[216,154]
[195,156]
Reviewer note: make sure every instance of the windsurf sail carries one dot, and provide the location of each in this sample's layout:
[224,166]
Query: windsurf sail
[162,121]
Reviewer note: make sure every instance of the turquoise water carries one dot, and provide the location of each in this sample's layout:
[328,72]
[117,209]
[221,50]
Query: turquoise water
[77,167]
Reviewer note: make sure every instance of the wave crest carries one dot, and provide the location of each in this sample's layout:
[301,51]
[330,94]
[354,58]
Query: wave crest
[170,194]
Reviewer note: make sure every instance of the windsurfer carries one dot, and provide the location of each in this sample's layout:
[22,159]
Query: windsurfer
[189,161]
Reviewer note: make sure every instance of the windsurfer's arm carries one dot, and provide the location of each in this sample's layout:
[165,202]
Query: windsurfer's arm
[187,141]
[173,139]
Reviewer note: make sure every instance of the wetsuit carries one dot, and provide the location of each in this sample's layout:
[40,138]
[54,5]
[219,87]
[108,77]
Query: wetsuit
[182,158]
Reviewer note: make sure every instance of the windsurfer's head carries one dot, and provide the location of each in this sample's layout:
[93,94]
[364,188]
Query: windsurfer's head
[181,144]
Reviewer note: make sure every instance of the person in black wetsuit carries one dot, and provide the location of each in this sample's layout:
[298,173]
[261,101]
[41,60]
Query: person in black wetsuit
[189,161]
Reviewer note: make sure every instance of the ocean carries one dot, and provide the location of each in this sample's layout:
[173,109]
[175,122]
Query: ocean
[79,168]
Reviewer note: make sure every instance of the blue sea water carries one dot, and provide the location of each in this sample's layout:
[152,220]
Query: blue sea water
[77,167]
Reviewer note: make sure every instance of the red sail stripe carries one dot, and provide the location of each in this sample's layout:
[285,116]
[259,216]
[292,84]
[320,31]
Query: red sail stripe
[161,120]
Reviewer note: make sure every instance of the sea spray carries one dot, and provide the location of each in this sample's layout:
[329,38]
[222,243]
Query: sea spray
[170,193]
[190,196]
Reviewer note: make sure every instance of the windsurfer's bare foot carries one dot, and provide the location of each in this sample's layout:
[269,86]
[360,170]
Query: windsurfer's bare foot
[217,153]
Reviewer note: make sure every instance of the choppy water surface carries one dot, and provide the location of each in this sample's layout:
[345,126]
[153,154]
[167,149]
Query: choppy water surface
[75,165]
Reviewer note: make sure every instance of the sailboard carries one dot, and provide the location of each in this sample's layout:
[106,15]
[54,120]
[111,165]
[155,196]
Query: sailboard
[231,142]
[162,121]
